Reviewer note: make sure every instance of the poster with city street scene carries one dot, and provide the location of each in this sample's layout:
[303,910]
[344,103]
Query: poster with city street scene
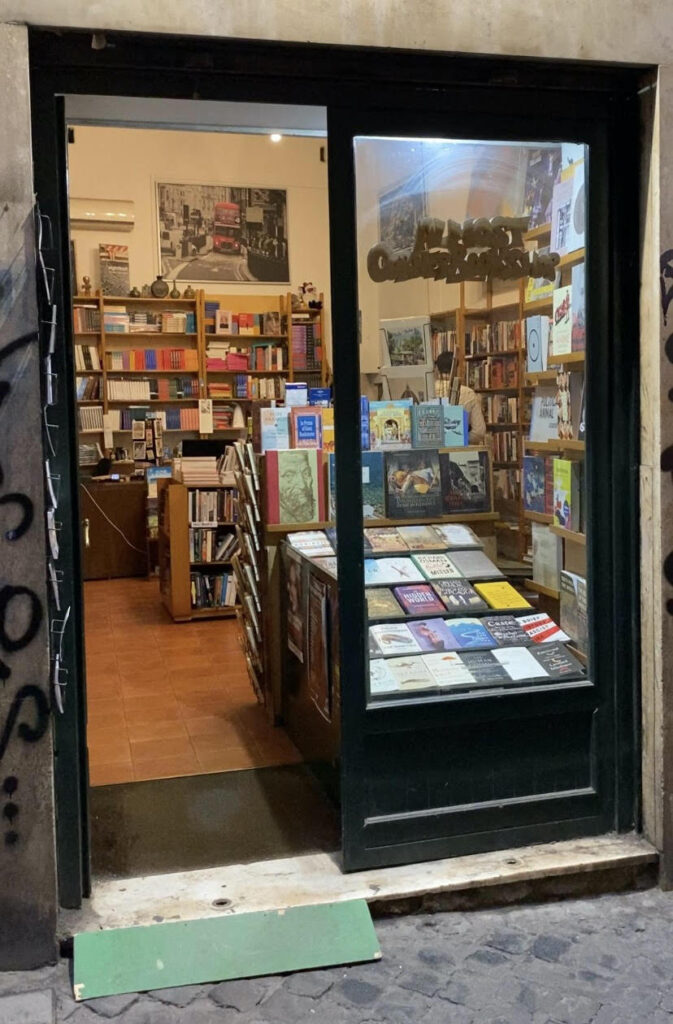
[222,233]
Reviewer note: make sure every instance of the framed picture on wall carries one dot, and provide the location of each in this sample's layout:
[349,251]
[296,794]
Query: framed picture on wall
[400,210]
[222,233]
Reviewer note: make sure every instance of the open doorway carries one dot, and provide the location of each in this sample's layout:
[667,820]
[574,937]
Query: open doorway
[199,247]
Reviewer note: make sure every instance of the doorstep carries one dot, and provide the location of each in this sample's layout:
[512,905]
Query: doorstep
[581,866]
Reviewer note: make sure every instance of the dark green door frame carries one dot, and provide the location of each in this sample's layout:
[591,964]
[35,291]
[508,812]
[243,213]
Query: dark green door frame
[363,89]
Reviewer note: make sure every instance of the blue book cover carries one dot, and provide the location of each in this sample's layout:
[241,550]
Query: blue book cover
[470,634]
[533,483]
[427,426]
[364,422]
[307,431]
[455,426]
[373,486]
[320,396]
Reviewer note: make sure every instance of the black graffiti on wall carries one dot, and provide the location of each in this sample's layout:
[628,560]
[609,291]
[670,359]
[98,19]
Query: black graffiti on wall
[27,718]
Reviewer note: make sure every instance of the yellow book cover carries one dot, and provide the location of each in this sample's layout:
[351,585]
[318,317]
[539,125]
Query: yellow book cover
[327,429]
[501,595]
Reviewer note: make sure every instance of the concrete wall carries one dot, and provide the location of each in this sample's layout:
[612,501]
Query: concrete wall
[27,860]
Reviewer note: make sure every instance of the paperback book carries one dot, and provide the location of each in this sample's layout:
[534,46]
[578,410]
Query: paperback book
[470,634]
[427,425]
[561,336]
[519,663]
[541,629]
[381,604]
[544,415]
[465,481]
[534,483]
[456,426]
[485,668]
[433,635]
[501,596]
[422,538]
[383,572]
[475,565]
[574,608]
[394,638]
[411,674]
[274,428]
[294,486]
[458,536]
[413,484]
[313,543]
[507,630]
[448,669]
[579,309]
[436,567]
[418,600]
[373,486]
[380,678]
[547,555]
[328,563]
[306,427]
[567,493]
[537,343]
[385,539]
[390,424]
[558,662]
[459,596]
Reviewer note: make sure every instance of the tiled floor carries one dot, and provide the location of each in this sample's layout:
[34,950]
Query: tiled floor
[168,699]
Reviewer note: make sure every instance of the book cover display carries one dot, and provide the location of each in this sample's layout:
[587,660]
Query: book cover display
[433,635]
[418,600]
[507,630]
[327,563]
[436,567]
[312,543]
[383,539]
[542,629]
[274,428]
[381,604]
[541,289]
[390,424]
[485,668]
[537,343]
[470,634]
[306,427]
[547,555]
[448,669]
[456,426]
[422,538]
[465,481]
[519,663]
[544,166]
[558,662]
[413,484]
[534,483]
[411,674]
[373,486]
[383,572]
[394,638]
[501,596]
[579,307]
[566,493]
[561,337]
[475,565]
[380,678]
[574,621]
[458,536]
[459,596]
[294,486]
[544,415]
[427,425]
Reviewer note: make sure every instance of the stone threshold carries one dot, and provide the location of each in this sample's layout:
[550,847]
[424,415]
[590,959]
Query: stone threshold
[550,870]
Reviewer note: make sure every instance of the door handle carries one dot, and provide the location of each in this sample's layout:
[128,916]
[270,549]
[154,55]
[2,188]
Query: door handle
[87,538]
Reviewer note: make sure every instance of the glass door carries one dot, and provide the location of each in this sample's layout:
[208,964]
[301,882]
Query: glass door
[471,483]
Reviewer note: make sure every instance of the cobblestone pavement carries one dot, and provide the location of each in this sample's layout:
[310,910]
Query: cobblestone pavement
[591,961]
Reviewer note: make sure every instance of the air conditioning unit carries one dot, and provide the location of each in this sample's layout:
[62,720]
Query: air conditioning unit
[102,214]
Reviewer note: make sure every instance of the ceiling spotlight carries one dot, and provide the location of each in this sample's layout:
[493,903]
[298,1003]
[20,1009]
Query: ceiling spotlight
[275,137]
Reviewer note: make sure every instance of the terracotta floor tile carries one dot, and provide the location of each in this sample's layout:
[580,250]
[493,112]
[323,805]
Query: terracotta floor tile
[110,774]
[166,768]
[151,709]
[152,750]
[207,746]
[227,729]
[226,759]
[117,751]
[169,729]
[185,680]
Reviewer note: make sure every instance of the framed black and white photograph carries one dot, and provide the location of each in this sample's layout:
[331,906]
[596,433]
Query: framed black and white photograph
[222,233]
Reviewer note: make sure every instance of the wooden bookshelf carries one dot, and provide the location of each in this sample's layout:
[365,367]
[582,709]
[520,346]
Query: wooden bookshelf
[540,377]
[538,234]
[570,535]
[540,588]
[538,517]
[174,562]
[569,359]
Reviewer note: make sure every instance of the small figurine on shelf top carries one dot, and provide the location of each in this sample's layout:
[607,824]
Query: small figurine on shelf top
[309,296]
[86,286]
[134,293]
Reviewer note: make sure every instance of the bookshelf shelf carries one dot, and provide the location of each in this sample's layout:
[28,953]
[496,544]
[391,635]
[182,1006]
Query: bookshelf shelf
[569,535]
[255,373]
[540,588]
[538,517]
[149,401]
[155,335]
[542,446]
[248,338]
[496,353]
[567,360]
[540,377]
[145,373]
[503,426]
[86,334]
[506,465]
[572,258]
[538,306]
[538,233]
[87,373]
[470,517]
[497,391]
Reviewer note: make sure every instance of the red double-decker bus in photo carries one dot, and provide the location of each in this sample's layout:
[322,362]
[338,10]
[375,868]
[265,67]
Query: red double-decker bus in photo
[227,227]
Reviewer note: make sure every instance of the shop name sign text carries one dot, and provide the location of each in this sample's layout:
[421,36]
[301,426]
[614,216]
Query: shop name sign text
[475,250]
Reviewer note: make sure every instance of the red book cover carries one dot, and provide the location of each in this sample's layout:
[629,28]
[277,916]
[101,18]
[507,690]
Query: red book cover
[295,486]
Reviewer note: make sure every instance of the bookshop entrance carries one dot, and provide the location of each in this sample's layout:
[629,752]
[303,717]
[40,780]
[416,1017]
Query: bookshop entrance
[370,410]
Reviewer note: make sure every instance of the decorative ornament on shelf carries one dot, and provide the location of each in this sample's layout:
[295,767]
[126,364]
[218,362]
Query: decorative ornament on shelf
[159,288]
[146,291]
[309,296]
[189,292]
[238,421]
[134,293]
[86,286]
[175,294]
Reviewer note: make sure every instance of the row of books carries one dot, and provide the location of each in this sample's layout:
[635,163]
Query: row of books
[554,486]
[224,321]
[206,507]
[424,568]
[88,388]
[485,339]
[472,669]
[205,470]
[154,359]
[85,318]
[506,485]
[505,446]
[210,590]
[505,409]
[490,632]
[437,537]
[253,388]
[87,357]
[494,372]
[307,346]
[442,341]
[221,356]
[90,417]
[118,320]
[208,545]
[170,419]
[158,388]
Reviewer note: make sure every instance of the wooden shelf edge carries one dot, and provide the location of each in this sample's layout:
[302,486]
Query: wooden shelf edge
[540,588]
[538,517]
[569,535]
[534,234]
[566,360]
[540,375]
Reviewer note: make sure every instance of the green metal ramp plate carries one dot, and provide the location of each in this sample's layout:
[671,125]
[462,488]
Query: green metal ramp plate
[222,948]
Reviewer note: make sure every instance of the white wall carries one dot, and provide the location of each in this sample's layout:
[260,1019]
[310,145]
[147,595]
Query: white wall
[126,163]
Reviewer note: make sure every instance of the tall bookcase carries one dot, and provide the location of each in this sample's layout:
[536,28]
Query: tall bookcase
[314,320]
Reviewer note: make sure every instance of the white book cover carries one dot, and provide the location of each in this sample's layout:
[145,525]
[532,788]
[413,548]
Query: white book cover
[546,556]
[562,322]
[519,663]
[544,415]
[311,542]
[394,638]
[458,536]
[380,678]
[411,674]
[542,629]
[437,567]
[387,571]
[448,669]
[537,343]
